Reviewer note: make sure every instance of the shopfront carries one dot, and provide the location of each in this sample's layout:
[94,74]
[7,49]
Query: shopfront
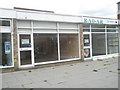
[43,42]
[6,55]
[100,39]
[33,38]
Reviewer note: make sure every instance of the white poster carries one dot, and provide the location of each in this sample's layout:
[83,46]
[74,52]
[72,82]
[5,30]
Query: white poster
[25,41]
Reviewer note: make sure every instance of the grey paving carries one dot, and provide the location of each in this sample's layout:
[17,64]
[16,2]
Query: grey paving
[90,74]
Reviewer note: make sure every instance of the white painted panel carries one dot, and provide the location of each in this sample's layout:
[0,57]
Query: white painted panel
[24,31]
[21,15]
[44,24]
[21,24]
[7,13]
[48,17]
[68,26]
[68,31]
[44,31]
[5,29]
[72,19]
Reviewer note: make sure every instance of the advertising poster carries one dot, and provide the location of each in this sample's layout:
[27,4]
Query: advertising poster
[86,40]
[25,41]
[87,53]
[7,47]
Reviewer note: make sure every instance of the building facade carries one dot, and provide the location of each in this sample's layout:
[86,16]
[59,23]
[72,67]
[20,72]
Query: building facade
[30,38]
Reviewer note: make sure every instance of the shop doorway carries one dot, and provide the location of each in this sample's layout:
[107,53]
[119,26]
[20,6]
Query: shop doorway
[87,47]
[25,50]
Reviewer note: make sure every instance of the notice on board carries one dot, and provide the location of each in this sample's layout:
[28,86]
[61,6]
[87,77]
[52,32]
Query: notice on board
[25,41]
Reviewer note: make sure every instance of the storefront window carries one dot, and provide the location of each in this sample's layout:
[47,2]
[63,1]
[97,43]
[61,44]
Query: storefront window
[113,43]
[5,49]
[69,46]
[98,44]
[45,47]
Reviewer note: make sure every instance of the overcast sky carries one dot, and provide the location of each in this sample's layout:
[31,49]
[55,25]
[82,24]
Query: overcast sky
[95,8]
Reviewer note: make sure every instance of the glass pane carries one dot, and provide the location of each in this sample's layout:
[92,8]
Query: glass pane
[111,26]
[86,25]
[5,49]
[113,43]
[98,44]
[87,53]
[69,46]
[25,41]
[111,30]
[97,26]
[86,30]
[86,40]
[25,57]
[98,30]
[4,23]
[45,47]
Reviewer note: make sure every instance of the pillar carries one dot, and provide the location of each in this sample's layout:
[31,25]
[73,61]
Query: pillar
[81,43]
[15,45]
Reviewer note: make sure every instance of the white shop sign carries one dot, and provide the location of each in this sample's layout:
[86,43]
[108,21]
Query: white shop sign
[99,21]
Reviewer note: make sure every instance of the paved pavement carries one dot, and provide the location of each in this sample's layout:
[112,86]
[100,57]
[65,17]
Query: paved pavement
[89,74]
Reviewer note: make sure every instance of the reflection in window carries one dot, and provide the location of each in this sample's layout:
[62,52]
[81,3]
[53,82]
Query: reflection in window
[98,44]
[45,47]
[113,43]
[5,49]
[69,46]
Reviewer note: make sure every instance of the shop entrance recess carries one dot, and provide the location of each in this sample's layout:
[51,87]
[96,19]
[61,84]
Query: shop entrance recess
[25,50]
[87,46]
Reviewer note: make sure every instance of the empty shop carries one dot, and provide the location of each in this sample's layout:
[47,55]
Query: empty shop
[29,38]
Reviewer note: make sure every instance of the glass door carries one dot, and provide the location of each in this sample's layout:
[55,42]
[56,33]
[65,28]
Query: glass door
[87,46]
[25,50]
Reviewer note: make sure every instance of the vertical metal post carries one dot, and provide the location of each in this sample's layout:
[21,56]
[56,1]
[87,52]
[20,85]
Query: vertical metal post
[79,41]
[91,55]
[32,43]
[106,41]
[58,40]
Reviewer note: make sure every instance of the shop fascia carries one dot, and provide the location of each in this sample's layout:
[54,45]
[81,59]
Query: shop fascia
[99,21]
